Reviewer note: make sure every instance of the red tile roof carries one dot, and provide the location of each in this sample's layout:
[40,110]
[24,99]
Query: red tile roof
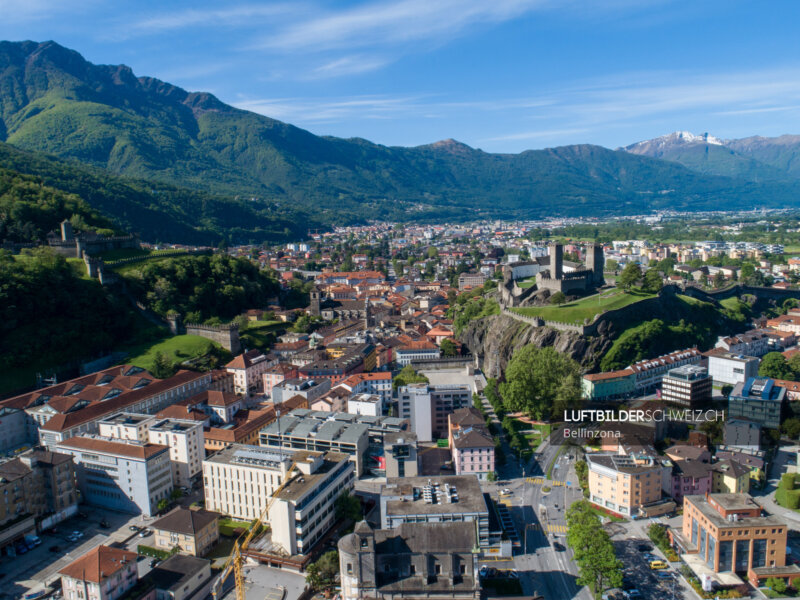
[99,564]
[141,451]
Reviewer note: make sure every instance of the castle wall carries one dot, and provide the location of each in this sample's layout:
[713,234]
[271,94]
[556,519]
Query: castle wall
[226,336]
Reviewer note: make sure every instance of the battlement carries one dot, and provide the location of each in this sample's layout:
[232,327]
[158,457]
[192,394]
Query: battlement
[223,327]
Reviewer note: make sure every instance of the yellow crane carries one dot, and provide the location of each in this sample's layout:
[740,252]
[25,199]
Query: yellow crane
[235,560]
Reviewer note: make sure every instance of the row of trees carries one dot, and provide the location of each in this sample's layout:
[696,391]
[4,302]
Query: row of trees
[598,566]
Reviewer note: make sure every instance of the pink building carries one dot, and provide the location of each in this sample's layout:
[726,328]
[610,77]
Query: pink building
[471,444]
[690,477]
[277,373]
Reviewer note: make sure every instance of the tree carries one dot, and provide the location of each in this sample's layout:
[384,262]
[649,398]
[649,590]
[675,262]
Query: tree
[612,265]
[791,427]
[303,324]
[598,565]
[558,298]
[726,390]
[322,574]
[162,366]
[162,505]
[176,493]
[448,347]
[540,382]
[776,584]
[629,276]
[348,507]
[652,281]
[719,279]
[774,365]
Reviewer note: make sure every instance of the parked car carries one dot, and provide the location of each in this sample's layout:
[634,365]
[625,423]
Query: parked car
[645,548]
[633,594]
[664,574]
[72,537]
[656,565]
[55,548]
[21,548]
[144,533]
[77,534]
[154,562]
[558,547]
[133,528]
[506,492]
[34,595]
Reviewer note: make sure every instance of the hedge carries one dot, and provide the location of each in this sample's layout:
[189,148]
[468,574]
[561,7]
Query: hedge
[786,495]
[156,552]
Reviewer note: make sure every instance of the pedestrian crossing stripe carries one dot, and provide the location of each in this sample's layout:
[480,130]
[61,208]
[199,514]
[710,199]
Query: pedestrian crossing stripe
[542,481]
[556,529]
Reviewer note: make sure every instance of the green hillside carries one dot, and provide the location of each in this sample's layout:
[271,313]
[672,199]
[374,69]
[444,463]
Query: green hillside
[52,100]
[38,191]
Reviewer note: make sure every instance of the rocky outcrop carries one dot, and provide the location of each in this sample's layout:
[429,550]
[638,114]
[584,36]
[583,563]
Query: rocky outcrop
[495,339]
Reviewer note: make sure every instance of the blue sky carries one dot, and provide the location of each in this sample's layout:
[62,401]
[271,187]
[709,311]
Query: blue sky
[501,75]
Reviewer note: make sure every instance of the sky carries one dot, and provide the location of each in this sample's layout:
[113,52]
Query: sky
[500,75]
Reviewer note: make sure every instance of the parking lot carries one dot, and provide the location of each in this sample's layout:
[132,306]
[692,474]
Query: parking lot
[638,574]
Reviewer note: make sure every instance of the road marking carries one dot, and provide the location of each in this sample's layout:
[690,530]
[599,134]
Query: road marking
[556,529]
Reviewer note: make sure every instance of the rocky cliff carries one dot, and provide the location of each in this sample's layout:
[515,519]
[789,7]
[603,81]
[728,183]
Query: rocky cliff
[495,339]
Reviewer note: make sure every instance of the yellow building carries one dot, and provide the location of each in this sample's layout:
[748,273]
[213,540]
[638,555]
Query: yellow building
[195,532]
[729,477]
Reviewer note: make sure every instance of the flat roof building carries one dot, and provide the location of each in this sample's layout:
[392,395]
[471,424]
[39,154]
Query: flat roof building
[688,385]
[758,399]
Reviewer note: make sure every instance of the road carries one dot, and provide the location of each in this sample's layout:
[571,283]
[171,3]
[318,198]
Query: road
[543,569]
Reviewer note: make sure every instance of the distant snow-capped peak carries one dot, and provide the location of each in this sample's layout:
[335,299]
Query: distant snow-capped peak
[676,138]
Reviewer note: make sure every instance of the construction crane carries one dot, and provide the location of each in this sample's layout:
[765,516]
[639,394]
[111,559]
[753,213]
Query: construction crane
[235,562]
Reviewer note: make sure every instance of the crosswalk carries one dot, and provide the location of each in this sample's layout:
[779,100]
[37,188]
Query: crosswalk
[543,481]
[548,528]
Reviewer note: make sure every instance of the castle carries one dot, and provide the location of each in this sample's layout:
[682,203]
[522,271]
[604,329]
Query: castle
[82,244]
[553,273]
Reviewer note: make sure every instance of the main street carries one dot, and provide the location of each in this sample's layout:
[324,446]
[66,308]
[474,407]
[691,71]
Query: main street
[545,564]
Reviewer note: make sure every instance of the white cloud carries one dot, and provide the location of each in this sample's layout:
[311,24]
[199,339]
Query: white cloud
[347,65]
[246,14]
[383,23]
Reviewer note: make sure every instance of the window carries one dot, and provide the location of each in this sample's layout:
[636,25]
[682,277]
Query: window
[349,568]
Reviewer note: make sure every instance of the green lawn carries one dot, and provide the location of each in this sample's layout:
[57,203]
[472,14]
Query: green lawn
[603,514]
[121,253]
[526,283]
[177,349]
[585,308]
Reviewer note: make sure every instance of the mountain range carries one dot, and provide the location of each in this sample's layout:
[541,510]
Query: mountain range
[275,178]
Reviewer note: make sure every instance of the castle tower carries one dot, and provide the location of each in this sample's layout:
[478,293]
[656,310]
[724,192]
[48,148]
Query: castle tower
[596,262]
[314,306]
[556,252]
[67,233]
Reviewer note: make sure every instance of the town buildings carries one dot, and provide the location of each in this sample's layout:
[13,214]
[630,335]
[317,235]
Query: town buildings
[689,386]
[626,485]
[471,444]
[427,407]
[727,368]
[124,475]
[419,560]
[240,481]
[103,573]
[758,399]
[400,454]
[193,531]
[248,371]
[722,534]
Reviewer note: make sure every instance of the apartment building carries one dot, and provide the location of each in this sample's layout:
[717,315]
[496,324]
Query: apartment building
[310,389]
[427,407]
[689,386]
[38,490]
[471,444]
[75,407]
[186,447]
[103,573]
[379,384]
[758,399]
[626,485]
[726,368]
[725,534]
[248,371]
[729,477]
[648,373]
[305,509]
[241,480]
[468,281]
[419,560]
[184,438]
[750,343]
[277,373]
[193,531]
[16,429]
[124,475]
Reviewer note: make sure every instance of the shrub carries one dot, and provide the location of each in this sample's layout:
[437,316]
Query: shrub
[156,552]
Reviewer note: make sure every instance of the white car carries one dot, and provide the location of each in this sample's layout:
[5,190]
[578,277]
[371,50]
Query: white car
[77,534]
[506,492]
